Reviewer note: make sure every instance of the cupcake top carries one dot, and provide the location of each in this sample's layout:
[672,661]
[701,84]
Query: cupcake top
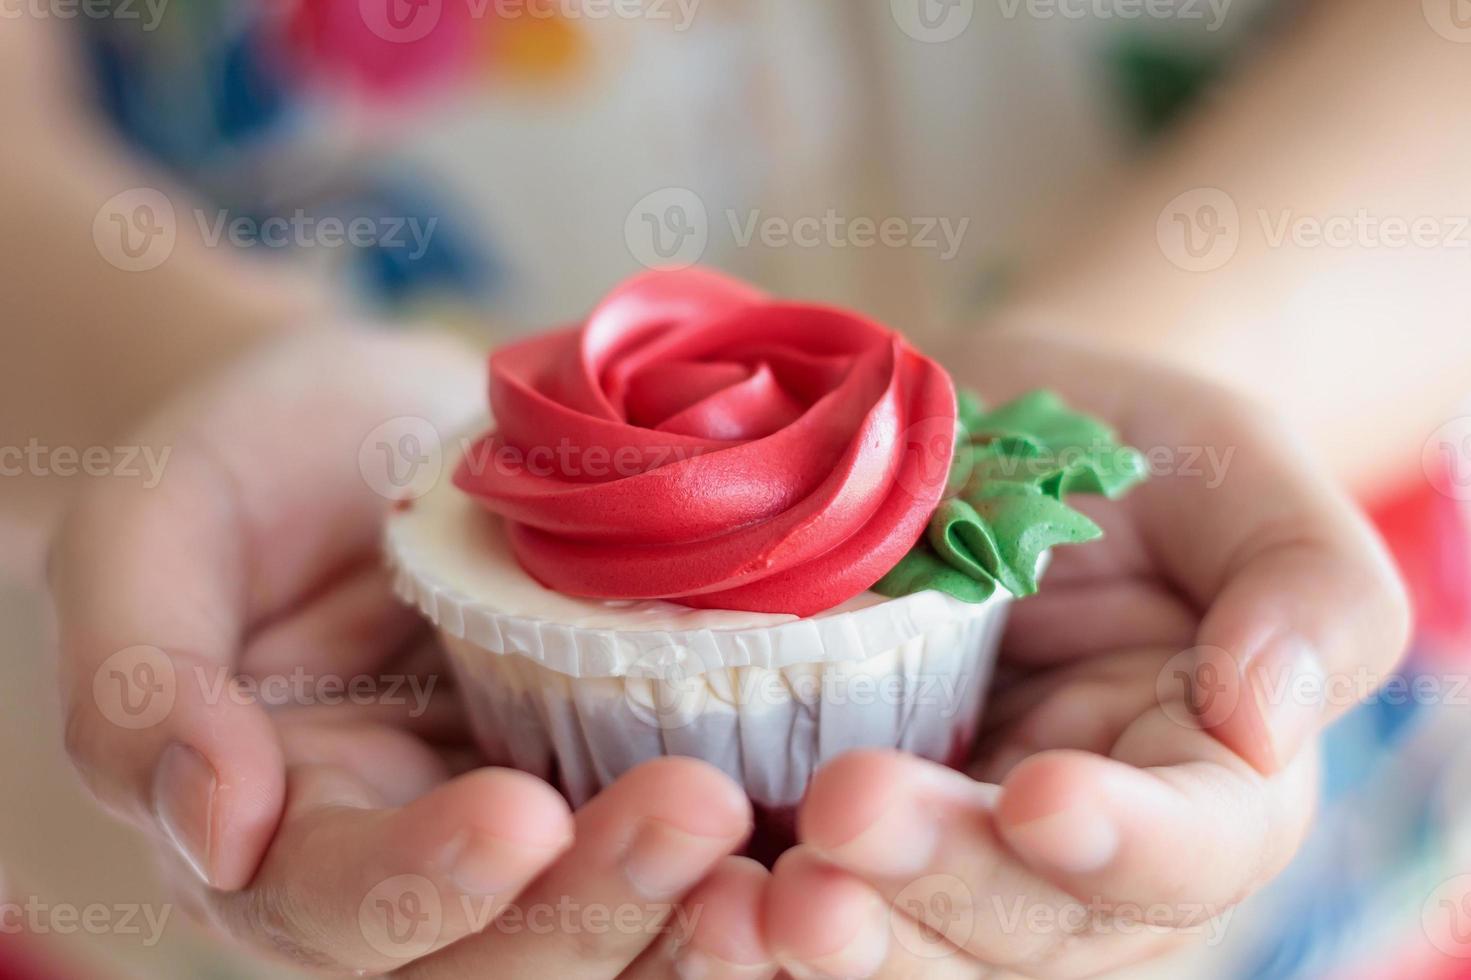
[699,442]
[694,440]
[450,557]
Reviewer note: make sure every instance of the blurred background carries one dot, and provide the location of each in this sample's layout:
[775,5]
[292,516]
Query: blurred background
[505,164]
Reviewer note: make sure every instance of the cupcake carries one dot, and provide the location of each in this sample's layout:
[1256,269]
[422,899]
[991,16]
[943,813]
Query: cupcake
[706,522]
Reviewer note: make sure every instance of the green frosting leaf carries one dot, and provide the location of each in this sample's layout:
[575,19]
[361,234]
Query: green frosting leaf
[1003,505]
[922,569]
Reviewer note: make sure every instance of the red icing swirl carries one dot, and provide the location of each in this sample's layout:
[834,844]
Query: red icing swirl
[697,441]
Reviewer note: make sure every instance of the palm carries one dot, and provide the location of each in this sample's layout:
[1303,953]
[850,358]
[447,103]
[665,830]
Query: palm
[328,782]
[1082,659]
[368,689]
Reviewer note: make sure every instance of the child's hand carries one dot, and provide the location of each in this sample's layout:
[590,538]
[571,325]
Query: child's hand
[340,835]
[1113,806]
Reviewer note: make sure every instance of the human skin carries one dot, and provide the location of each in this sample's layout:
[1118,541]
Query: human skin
[1160,697]
[1399,152]
[254,559]
[1361,344]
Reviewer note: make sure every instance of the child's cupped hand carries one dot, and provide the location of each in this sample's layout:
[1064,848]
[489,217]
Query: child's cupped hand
[1148,753]
[1227,588]
[344,832]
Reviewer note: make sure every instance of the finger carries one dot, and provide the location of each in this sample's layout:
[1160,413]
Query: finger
[417,704]
[342,676]
[157,586]
[641,845]
[1117,827]
[1075,621]
[1296,584]
[824,921]
[920,836]
[415,691]
[147,638]
[394,765]
[722,938]
[927,840]
[1305,631]
[350,628]
[1087,705]
[349,887]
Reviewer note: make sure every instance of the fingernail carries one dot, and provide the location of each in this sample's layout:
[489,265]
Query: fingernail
[664,862]
[941,784]
[481,864]
[1072,840]
[698,965]
[1286,681]
[183,803]
[862,956]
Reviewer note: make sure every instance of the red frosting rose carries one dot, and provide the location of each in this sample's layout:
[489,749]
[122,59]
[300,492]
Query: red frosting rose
[696,441]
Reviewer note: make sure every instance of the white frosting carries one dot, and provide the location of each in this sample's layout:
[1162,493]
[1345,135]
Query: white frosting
[466,547]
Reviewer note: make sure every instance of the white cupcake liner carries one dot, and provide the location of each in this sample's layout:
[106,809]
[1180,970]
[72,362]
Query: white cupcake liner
[768,704]
[768,728]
